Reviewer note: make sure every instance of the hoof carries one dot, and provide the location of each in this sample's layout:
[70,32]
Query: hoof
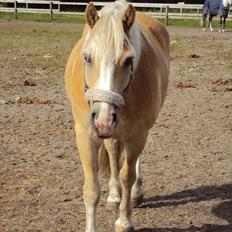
[114,206]
[118,228]
[136,202]
[123,225]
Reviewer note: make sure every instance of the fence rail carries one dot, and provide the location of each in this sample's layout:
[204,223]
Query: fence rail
[167,11]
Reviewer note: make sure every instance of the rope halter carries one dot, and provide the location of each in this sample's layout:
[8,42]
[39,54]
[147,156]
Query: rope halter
[108,96]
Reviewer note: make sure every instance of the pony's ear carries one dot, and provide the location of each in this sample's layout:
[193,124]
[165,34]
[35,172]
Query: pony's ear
[91,15]
[128,17]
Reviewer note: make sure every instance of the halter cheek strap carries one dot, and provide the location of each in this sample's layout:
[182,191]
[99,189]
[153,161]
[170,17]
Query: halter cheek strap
[132,77]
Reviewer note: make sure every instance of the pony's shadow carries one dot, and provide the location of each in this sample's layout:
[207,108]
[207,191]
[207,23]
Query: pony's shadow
[206,193]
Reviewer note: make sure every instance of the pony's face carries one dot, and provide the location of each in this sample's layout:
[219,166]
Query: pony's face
[108,62]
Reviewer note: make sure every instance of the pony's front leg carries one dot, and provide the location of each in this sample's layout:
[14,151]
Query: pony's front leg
[220,29]
[114,198]
[224,24]
[88,152]
[127,176]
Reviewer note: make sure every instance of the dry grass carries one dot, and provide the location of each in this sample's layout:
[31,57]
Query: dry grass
[37,45]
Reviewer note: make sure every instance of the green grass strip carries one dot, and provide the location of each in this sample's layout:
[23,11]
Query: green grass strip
[63,18]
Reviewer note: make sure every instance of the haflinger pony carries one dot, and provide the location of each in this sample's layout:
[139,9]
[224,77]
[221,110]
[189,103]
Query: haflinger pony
[213,8]
[116,78]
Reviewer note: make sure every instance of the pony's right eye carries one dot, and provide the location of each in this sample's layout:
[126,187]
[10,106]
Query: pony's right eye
[128,61]
[87,59]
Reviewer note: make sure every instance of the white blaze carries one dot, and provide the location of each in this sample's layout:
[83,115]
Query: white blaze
[106,76]
[106,83]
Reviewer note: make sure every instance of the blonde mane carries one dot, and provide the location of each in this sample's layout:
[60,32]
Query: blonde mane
[104,43]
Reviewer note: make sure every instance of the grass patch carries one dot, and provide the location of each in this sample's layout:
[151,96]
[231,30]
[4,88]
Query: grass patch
[195,23]
[43,17]
[183,22]
[36,46]
[69,18]
[6,16]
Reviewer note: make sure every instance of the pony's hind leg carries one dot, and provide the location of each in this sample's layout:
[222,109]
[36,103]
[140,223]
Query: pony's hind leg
[91,191]
[137,189]
[203,19]
[114,197]
[210,22]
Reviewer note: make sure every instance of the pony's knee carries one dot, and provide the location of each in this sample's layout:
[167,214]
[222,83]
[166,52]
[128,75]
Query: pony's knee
[91,195]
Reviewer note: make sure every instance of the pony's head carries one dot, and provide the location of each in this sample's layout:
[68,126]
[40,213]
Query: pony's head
[110,52]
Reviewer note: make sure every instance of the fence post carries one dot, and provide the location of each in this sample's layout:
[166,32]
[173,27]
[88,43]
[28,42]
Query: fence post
[166,15]
[51,11]
[15,9]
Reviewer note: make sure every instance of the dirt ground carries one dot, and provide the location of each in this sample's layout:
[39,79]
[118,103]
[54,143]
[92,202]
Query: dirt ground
[187,161]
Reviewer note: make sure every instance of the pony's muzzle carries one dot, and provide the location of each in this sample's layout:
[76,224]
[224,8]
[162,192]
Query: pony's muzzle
[104,107]
[104,119]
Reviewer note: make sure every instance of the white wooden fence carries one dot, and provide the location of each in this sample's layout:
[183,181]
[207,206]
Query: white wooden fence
[167,11]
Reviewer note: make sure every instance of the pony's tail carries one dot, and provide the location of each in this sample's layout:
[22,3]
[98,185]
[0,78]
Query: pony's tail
[103,161]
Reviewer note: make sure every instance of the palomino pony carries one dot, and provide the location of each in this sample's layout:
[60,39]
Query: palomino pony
[214,8]
[116,78]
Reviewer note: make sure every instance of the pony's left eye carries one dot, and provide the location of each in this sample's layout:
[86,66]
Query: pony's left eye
[87,59]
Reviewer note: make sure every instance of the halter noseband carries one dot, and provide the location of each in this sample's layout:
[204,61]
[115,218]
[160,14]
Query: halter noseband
[101,95]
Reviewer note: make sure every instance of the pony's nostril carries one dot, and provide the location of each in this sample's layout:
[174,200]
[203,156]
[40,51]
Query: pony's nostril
[114,117]
[93,115]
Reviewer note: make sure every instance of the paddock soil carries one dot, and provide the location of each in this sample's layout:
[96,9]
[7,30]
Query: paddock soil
[187,161]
